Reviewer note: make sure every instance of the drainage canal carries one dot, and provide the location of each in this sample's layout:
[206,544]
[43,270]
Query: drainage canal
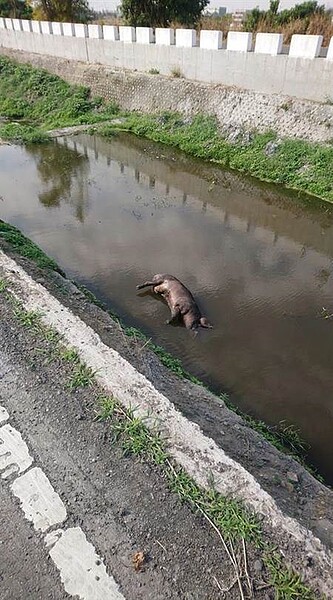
[258,259]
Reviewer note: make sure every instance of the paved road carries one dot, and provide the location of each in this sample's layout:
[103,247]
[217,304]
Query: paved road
[71,488]
[25,568]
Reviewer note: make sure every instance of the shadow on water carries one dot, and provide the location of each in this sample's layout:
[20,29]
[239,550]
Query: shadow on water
[257,259]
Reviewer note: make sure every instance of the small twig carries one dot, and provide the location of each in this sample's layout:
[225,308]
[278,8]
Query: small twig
[159,543]
[226,589]
[238,575]
[249,581]
[145,344]
[232,560]
[218,584]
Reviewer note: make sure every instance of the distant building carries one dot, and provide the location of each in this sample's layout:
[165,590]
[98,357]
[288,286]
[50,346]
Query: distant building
[237,20]
[105,6]
[216,12]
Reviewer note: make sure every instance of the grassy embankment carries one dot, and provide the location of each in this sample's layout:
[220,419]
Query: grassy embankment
[34,102]
[295,164]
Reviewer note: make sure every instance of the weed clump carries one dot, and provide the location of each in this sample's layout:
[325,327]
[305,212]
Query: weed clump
[23,134]
[44,101]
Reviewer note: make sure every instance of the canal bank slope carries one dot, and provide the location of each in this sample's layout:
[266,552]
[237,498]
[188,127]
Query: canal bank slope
[235,109]
[210,443]
[274,138]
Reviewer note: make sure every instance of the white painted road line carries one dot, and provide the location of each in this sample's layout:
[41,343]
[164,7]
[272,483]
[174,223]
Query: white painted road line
[82,572]
[4,416]
[39,501]
[14,453]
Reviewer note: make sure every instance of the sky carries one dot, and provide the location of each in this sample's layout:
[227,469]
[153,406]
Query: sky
[230,4]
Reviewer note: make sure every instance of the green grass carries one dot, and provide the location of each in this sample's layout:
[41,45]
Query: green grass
[236,524]
[284,437]
[296,164]
[3,285]
[288,585]
[69,355]
[51,335]
[135,438]
[169,361]
[14,240]
[43,101]
[22,134]
[82,376]
[176,72]
[30,319]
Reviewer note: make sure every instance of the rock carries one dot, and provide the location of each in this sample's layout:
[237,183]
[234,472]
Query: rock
[304,169]
[324,529]
[258,565]
[237,135]
[293,477]
[272,147]
[288,486]
[308,561]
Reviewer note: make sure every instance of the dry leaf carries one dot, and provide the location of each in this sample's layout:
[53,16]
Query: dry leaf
[138,560]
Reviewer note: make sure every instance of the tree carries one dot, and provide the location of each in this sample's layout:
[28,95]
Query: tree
[252,19]
[72,11]
[274,7]
[161,13]
[300,11]
[16,9]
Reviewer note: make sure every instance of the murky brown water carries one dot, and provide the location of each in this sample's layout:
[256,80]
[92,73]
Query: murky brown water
[258,260]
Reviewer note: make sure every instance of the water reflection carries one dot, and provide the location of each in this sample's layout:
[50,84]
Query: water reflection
[63,172]
[258,260]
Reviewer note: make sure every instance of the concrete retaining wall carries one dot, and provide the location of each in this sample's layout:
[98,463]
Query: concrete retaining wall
[303,73]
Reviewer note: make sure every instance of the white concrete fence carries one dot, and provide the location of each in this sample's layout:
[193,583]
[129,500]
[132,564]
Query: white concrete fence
[304,69]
